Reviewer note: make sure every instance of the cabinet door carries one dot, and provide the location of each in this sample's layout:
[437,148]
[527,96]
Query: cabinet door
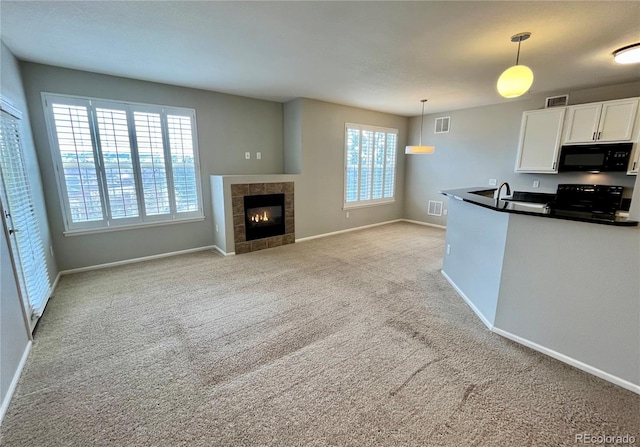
[540,135]
[617,119]
[582,123]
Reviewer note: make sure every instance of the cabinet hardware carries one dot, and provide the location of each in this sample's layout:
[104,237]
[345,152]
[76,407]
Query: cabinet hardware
[634,165]
[11,231]
[599,133]
[594,136]
[554,165]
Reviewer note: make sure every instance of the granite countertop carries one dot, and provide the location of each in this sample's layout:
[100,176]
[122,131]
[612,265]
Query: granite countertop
[533,204]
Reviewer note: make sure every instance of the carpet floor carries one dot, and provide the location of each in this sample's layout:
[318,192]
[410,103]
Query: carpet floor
[349,340]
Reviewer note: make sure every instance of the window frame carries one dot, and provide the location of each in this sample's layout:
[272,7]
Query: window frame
[362,203]
[108,222]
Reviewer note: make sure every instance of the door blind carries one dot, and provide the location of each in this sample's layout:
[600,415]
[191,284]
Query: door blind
[26,241]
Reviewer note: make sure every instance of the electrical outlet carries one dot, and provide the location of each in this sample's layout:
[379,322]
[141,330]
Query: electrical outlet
[445,211]
[536,184]
[347,214]
[247,155]
[216,228]
[258,155]
[448,249]
[493,182]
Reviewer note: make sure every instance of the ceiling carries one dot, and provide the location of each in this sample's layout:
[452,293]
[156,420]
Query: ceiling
[382,56]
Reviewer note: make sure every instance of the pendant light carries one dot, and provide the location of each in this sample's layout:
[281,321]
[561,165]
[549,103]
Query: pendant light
[516,81]
[627,55]
[420,149]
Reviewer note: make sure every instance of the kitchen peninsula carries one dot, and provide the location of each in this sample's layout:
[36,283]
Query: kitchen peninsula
[565,284]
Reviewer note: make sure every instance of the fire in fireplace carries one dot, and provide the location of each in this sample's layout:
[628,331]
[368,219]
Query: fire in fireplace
[264,216]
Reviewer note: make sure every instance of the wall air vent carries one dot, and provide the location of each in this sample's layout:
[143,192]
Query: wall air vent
[557,101]
[435,208]
[442,124]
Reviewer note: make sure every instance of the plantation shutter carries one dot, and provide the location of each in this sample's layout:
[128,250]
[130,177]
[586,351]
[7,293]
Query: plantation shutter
[26,241]
[183,163]
[370,165]
[78,163]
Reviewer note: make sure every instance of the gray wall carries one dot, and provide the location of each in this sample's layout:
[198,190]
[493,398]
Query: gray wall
[319,148]
[227,127]
[482,143]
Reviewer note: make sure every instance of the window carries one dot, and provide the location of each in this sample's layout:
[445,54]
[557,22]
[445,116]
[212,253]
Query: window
[370,165]
[19,213]
[120,164]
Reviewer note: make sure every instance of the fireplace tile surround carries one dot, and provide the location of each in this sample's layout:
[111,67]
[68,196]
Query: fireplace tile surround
[238,192]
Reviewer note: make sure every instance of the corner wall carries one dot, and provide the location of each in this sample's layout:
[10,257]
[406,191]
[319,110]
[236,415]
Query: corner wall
[318,146]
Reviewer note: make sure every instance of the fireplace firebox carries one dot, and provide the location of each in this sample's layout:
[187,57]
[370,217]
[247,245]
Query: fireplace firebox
[264,216]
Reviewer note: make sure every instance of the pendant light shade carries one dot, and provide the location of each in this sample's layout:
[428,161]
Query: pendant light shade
[420,149]
[627,55]
[516,81]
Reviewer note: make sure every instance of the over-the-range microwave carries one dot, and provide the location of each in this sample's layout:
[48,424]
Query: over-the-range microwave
[595,157]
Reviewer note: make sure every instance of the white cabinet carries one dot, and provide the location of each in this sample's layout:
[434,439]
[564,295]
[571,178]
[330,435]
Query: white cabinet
[540,136]
[602,121]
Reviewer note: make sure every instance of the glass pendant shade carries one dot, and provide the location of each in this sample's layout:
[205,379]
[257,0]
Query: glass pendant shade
[515,81]
[420,150]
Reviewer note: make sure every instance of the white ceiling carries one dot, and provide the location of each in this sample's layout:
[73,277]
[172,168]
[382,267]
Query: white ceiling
[377,55]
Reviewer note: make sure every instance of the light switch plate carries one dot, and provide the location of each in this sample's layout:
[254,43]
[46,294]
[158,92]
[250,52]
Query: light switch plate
[247,155]
[493,182]
[258,155]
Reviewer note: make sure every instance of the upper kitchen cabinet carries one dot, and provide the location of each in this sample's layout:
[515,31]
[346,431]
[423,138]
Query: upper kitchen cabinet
[601,121]
[540,136]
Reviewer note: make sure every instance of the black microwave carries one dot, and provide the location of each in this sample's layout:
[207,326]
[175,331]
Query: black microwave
[595,157]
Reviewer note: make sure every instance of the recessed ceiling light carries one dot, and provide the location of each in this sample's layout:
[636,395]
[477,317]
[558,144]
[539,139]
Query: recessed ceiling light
[627,55]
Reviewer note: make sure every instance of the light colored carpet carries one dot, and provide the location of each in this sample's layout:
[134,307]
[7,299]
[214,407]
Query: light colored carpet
[350,340]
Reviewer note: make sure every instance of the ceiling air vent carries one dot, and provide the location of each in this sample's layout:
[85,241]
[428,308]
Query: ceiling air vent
[557,101]
[435,208]
[442,124]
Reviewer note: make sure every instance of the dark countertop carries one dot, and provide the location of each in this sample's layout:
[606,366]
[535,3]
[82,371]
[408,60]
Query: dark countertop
[534,207]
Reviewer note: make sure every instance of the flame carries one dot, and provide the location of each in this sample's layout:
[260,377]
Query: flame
[264,217]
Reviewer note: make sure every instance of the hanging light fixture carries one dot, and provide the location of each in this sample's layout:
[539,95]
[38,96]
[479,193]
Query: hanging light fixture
[627,55]
[516,81]
[420,149]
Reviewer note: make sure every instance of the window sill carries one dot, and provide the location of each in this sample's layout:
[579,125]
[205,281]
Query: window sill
[70,233]
[367,204]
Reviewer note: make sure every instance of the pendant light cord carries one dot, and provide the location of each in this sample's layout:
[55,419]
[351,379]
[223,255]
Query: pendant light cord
[518,56]
[421,122]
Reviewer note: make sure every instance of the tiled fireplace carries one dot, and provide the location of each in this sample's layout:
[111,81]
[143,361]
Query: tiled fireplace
[263,215]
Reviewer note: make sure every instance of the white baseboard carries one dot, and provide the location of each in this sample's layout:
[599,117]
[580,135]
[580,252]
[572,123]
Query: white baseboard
[14,382]
[222,252]
[550,352]
[426,224]
[333,233]
[570,361]
[134,260]
[486,322]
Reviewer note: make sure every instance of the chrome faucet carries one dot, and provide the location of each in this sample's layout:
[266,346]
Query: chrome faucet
[500,190]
